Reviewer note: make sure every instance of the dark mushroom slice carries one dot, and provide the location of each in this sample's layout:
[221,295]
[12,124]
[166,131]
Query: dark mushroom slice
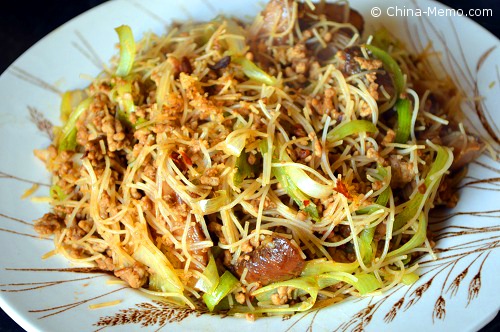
[276,259]
[335,12]
[465,148]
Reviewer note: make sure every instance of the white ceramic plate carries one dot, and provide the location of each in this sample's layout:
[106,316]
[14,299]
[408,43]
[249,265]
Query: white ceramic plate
[459,291]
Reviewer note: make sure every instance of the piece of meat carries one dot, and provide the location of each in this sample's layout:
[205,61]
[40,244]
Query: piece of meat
[135,275]
[276,259]
[105,264]
[402,172]
[275,19]
[352,62]
[348,65]
[341,13]
[463,154]
[194,235]
[49,224]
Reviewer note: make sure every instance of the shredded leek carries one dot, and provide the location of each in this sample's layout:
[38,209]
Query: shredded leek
[403,107]
[243,169]
[366,237]
[124,100]
[415,205]
[289,183]
[416,240]
[303,201]
[127,50]
[208,283]
[409,278]
[391,66]
[162,276]
[320,266]
[211,205]
[364,283]
[348,128]
[308,285]
[57,193]
[252,71]
[227,283]
[235,145]
[70,100]
[236,39]
[67,138]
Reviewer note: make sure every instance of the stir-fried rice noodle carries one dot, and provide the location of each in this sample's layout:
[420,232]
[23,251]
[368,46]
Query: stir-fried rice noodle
[258,168]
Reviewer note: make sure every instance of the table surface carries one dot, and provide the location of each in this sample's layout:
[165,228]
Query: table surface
[23,24]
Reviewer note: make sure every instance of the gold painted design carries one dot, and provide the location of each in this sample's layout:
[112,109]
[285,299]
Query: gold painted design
[4,175]
[151,13]
[147,314]
[28,286]
[41,122]
[51,311]
[87,50]
[32,79]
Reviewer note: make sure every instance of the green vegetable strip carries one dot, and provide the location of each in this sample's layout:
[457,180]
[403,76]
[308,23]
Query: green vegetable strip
[381,200]
[211,205]
[365,244]
[66,106]
[209,284]
[227,283]
[280,173]
[67,138]
[366,283]
[236,46]
[124,89]
[414,207]
[319,266]
[70,100]
[243,169]
[303,201]
[306,285]
[403,107]
[366,237]
[57,193]
[163,278]
[127,50]
[349,128]
[417,239]
[253,72]
[391,66]
[409,279]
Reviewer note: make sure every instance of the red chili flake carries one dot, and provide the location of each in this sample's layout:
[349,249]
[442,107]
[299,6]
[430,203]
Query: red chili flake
[341,188]
[186,159]
[422,188]
[178,161]
[307,202]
